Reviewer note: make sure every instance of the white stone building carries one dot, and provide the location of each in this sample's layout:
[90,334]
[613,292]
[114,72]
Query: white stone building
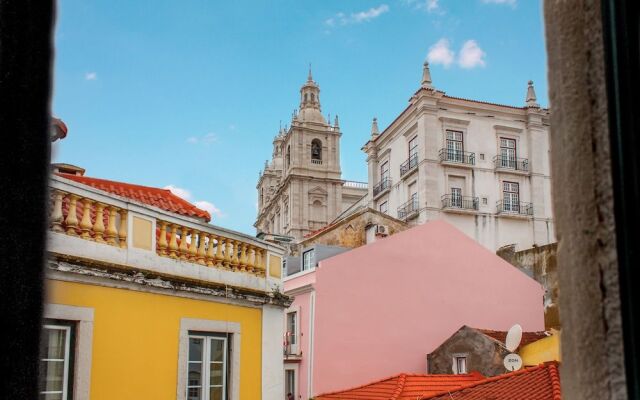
[301,189]
[481,166]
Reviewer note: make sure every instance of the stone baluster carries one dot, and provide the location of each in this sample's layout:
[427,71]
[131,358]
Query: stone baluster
[111,232]
[251,258]
[184,247]
[227,252]
[173,242]
[211,255]
[85,223]
[243,256]
[98,225]
[56,215]
[123,231]
[200,259]
[193,245]
[263,262]
[72,217]
[219,246]
[162,240]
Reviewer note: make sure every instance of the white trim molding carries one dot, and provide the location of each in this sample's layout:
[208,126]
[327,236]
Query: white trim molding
[272,362]
[214,326]
[83,316]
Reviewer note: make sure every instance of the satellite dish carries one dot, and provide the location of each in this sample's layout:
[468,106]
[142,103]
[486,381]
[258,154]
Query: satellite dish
[514,336]
[512,362]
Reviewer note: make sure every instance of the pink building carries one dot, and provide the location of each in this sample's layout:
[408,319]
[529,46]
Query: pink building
[379,309]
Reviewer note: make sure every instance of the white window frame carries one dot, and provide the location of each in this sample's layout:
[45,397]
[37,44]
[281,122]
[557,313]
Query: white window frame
[294,347]
[311,253]
[67,353]
[205,365]
[384,170]
[204,325]
[513,203]
[296,374]
[386,207]
[455,358]
[82,351]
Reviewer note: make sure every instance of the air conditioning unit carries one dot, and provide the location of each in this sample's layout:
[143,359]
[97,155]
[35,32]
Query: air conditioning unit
[382,230]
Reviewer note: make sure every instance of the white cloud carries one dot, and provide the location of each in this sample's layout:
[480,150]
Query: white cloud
[471,55]
[431,5]
[210,207]
[204,139]
[507,2]
[357,17]
[440,53]
[90,76]
[186,195]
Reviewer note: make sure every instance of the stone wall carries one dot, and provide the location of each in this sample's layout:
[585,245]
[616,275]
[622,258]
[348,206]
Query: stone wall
[540,263]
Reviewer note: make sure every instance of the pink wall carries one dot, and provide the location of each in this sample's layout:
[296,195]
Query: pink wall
[302,300]
[381,308]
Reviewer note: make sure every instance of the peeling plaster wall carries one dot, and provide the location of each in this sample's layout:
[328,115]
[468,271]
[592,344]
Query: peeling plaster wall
[592,352]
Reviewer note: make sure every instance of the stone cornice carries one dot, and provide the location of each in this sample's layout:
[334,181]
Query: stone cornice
[78,266]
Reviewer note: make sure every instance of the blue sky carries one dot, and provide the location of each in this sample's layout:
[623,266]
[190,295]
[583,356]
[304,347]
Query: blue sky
[190,93]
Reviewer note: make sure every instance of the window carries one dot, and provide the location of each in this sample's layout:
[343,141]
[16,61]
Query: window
[307,258]
[456,197]
[292,320]
[510,196]
[384,171]
[207,366]
[507,153]
[460,364]
[290,384]
[288,156]
[413,147]
[316,149]
[455,146]
[56,359]
[384,207]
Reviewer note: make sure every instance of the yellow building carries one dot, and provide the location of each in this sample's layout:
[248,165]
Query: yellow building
[543,350]
[146,300]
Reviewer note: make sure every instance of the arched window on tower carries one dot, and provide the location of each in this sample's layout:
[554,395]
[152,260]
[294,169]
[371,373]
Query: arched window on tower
[313,98]
[288,156]
[306,97]
[316,150]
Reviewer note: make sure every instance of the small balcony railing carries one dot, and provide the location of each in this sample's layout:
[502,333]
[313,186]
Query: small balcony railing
[408,165]
[382,186]
[459,202]
[455,156]
[515,208]
[513,163]
[317,162]
[408,209]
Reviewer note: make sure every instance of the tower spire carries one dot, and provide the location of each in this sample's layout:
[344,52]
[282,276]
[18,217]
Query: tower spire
[335,122]
[531,96]
[426,76]
[310,77]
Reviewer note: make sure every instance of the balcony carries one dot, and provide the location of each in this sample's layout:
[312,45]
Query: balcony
[511,164]
[316,162]
[409,210]
[409,165]
[356,185]
[109,230]
[517,209]
[459,203]
[382,187]
[462,158]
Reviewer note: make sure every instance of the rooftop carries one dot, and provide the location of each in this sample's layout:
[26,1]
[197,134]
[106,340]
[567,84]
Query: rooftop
[535,383]
[404,386]
[527,337]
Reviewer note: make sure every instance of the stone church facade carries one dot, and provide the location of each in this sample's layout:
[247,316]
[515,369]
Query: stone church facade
[301,189]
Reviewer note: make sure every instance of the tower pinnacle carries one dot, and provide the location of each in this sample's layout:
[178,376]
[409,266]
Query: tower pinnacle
[374,128]
[426,76]
[531,96]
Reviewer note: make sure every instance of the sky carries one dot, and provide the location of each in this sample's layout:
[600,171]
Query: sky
[189,94]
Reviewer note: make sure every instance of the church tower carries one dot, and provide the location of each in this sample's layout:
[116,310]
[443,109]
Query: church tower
[301,188]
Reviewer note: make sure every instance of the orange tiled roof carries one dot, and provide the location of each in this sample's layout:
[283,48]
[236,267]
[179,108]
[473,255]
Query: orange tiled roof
[527,337]
[161,198]
[535,383]
[404,387]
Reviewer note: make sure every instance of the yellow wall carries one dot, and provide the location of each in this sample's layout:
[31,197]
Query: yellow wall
[547,349]
[135,339]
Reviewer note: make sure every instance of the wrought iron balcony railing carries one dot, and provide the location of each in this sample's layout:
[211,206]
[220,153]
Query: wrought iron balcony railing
[408,209]
[408,165]
[455,156]
[461,202]
[382,186]
[516,208]
[514,163]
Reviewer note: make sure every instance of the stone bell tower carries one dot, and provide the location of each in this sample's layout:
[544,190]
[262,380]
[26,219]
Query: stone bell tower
[301,188]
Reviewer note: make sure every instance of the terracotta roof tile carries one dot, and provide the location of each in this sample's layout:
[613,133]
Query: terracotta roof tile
[535,383]
[527,337]
[404,387]
[161,198]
